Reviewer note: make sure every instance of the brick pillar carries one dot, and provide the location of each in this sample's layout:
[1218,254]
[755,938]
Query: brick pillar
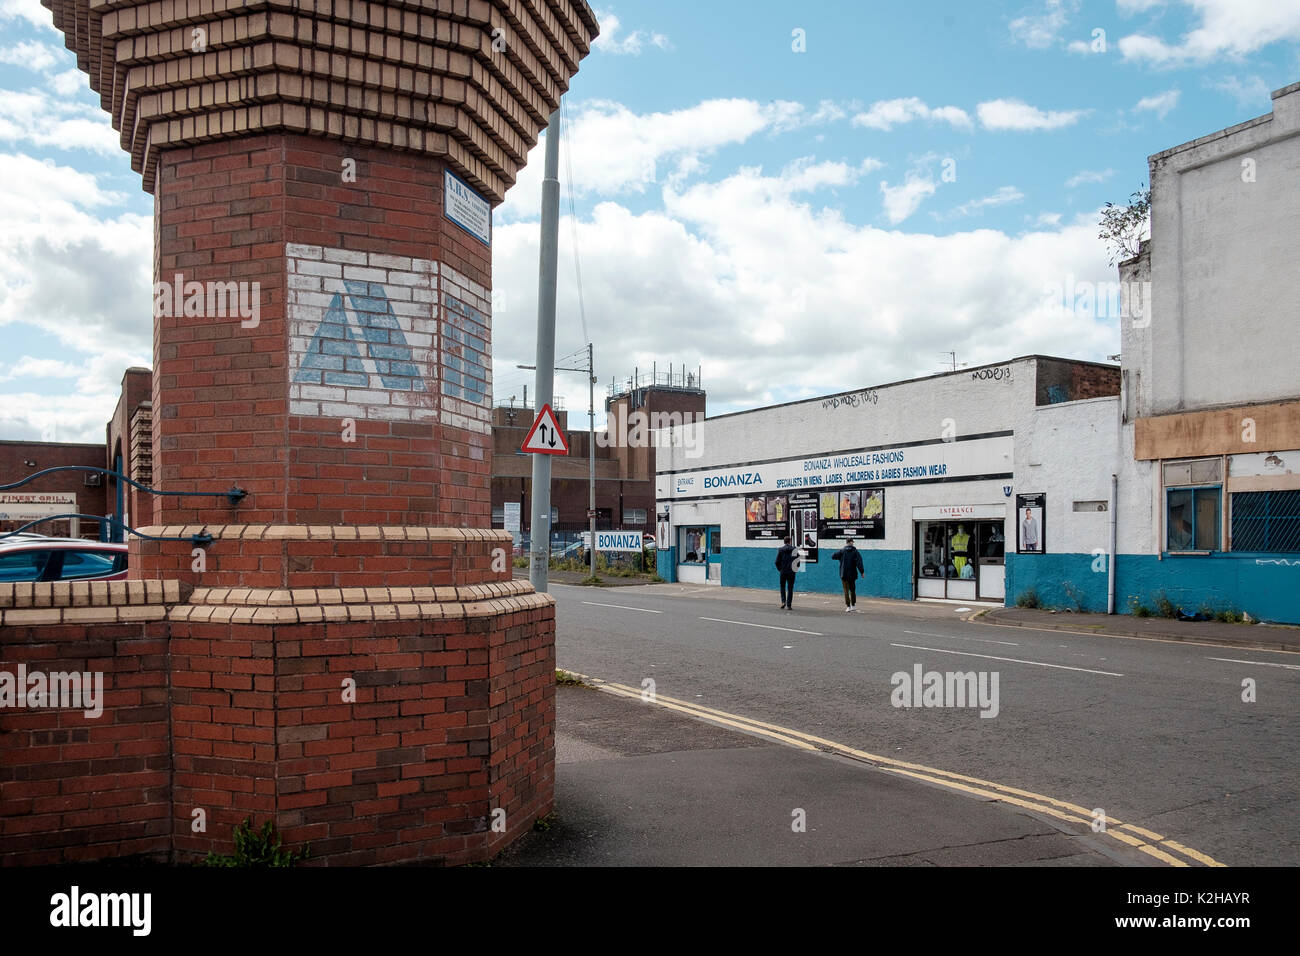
[354,660]
[353,388]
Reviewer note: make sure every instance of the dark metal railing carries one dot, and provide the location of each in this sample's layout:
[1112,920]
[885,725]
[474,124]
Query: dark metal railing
[200,539]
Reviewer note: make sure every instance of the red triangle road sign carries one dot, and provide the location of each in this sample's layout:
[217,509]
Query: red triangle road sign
[545,437]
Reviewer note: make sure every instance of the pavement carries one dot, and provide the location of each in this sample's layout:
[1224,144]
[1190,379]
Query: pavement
[642,785]
[1275,637]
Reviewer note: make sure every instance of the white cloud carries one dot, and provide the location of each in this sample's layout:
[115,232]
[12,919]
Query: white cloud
[886,114]
[1042,28]
[40,119]
[1160,104]
[39,368]
[31,54]
[903,200]
[69,82]
[1012,114]
[778,296]
[75,268]
[1250,93]
[1089,176]
[630,45]
[65,266]
[615,151]
[1000,197]
[1048,219]
[29,10]
[1226,28]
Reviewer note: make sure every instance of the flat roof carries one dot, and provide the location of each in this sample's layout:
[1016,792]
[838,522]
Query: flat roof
[1226,131]
[53,444]
[919,378]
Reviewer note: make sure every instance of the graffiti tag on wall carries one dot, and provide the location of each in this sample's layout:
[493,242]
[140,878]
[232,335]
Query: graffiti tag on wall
[852,400]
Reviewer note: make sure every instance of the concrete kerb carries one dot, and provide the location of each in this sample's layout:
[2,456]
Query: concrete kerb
[1263,637]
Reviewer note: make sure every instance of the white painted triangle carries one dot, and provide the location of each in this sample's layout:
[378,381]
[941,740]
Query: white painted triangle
[545,437]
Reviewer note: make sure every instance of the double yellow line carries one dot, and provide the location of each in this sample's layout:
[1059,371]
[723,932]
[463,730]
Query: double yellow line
[1153,844]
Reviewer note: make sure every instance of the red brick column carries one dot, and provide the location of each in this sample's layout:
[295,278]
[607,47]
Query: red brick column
[232,211]
[322,341]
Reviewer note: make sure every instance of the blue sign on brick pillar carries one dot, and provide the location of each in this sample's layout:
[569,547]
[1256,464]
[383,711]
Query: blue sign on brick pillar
[363,334]
[341,340]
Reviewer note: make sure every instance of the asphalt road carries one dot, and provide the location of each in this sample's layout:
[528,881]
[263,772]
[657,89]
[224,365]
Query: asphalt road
[1152,733]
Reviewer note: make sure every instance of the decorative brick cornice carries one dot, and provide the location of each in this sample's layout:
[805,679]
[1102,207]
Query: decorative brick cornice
[471,81]
[133,602]
[84,594]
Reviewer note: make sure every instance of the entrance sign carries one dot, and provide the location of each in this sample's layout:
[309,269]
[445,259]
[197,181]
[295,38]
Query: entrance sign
[545,437]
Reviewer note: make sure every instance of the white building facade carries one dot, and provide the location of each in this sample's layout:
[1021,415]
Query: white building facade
[976,485]
[1210,418]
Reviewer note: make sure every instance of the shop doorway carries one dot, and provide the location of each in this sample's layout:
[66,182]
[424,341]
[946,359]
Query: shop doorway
[963,560]
[700,550]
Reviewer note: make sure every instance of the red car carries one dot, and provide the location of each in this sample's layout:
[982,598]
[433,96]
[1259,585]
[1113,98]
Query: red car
[30,558]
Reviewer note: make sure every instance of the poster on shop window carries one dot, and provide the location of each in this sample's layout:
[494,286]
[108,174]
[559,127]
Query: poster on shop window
[766,517]
[852,512]
[803,525]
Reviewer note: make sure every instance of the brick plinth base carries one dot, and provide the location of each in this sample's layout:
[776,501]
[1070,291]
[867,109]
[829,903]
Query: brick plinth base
[303,557]
[378,725]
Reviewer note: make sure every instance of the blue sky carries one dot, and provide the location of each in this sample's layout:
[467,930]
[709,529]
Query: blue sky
[795,222]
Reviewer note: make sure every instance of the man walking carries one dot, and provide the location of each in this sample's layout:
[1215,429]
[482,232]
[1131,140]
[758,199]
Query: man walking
[850,559]
[785,567]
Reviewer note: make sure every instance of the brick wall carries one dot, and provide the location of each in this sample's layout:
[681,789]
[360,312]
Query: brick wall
[379,725]
[571,496]
[90,501]
[79,788]
[1062,380]
[254,210]
[137,387]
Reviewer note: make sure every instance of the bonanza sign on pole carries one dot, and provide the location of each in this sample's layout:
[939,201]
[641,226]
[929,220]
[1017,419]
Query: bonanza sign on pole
[618,540]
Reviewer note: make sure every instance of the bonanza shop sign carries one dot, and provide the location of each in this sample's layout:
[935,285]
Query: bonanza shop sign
[934,461]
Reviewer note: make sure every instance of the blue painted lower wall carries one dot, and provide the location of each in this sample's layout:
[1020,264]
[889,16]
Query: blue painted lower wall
[666,564]
[888,573]
[1266,586]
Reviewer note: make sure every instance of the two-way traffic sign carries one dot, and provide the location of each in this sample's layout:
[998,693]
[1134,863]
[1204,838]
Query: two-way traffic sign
[545,437]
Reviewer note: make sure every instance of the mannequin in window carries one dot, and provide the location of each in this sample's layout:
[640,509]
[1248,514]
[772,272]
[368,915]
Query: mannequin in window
[960,542]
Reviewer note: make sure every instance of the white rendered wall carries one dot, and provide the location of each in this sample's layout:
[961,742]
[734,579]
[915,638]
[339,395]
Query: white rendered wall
[1224,232]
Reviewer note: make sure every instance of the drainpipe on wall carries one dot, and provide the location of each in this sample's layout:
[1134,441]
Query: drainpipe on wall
[1110,564]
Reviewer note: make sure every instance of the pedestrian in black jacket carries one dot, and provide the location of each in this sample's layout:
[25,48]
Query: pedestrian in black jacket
[850,559]
[785,566]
